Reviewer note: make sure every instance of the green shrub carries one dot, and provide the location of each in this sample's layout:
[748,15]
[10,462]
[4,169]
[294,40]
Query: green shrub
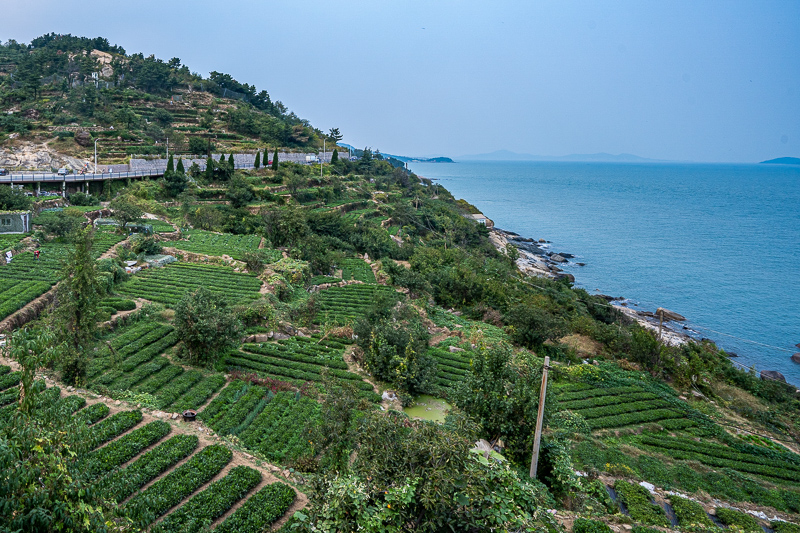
[639,504]
[785,527]
[260,511]
[582,525]
[729,517]
[690,513]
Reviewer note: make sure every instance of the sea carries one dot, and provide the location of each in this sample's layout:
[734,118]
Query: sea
[716,243]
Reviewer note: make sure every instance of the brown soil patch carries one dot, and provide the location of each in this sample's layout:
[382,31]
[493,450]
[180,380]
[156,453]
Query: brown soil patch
[582,344]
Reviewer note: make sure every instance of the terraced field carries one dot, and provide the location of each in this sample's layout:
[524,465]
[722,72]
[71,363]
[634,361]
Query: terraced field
[276,426]
[168,284]
[346,304]
[616,407]
[184,481]
[217,244]
[297,360]
[357,269]
[26,278]
[132,361]
[451,367]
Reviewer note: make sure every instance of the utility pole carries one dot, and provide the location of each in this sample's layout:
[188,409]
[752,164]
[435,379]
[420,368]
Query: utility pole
[323,157]
[95,155]
[537,436]
[167,148]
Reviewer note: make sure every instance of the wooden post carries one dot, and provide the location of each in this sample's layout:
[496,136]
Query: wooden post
[537,436]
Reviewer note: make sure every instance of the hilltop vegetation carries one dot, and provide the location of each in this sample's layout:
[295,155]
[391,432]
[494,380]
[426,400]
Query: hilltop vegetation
[300,295]
[72,90]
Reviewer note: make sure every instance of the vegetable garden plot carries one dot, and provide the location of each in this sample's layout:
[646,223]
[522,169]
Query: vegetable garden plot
[294,362]
[451,367]
[777,466]
[8,241]
[348,303]
[261,510]
[173,488]
[167,285]
[281,431]
[616,407]
[357,269]
[206,242]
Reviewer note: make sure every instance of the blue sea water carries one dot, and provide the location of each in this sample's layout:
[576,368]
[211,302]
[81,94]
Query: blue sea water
[717,243]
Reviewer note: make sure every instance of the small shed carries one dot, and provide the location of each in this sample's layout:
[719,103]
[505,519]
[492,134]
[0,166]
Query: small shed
[15,221]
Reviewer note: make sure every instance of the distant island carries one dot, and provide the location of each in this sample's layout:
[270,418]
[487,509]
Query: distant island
[404,158]
[506,155]
[782,161]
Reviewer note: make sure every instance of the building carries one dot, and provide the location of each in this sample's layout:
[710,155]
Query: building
[480,218]
[15,221]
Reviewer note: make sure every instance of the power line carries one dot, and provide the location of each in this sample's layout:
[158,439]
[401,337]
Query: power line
[743,339]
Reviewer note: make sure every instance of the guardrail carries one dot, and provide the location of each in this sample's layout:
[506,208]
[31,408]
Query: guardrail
[71,178]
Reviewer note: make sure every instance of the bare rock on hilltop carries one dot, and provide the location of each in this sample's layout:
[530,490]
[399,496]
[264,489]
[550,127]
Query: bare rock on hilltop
[83,138]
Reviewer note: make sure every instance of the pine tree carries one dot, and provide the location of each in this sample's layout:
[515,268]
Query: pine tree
[257,164]
[275,160]
[222,158]
[210,168]
[335,157]
[230,161]
[180,169]
[170,165]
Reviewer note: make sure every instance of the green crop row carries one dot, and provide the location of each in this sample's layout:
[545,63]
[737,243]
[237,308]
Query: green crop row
[719,451]
[591,393]
[260,511]
[150,465]
[317,355]
[784,527]
[203,242]
[156,348]
[119,304]
[639,504]
[744,521]
[584,525]
[621,408]
[228,396]
[10,379]
[123,449]
[159,379]
[199,394]
[168,394]
[629,419]
[127,381]
[138,336]
[113,426]
[288,369]
[690,513]
[357,269]
[9,396]
[4,369]
[93,413]
[212,503]
[18,296]
[231,417]
[600,401]
[170,490]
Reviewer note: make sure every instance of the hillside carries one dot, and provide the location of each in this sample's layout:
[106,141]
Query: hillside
[61,93]
[782,161]
[297,310]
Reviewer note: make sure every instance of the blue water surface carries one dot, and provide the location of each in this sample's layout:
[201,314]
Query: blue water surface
[717,243]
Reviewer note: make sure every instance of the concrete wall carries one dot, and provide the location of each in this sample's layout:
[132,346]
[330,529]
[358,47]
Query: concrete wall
[15,222]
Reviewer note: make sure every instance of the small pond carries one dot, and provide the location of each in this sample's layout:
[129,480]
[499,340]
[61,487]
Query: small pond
[427,408]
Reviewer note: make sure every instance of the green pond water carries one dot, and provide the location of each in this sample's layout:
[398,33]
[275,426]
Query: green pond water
[427,408]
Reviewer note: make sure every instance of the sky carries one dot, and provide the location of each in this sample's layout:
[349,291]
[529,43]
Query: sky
[706,81]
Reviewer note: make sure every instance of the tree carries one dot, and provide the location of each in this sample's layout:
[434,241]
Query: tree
[64,223]
[366,162]
[501,393]
[335,157]
[206,326]
[222,159]
[257,163]
[78,296]
[170,165]
[230,160]
[275,160]
[240,193]
[295,181]
[125,211]
[13,199]
[334,135]
[180,168]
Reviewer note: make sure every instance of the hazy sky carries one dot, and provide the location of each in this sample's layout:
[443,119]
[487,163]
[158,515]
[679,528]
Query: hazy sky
[694,80]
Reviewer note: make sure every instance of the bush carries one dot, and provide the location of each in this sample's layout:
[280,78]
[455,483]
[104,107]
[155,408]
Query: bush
[583,525]
[206,326]
[80,198]
[639,505]
[729,517]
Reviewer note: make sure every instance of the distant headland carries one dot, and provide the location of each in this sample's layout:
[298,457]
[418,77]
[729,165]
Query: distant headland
[782,161]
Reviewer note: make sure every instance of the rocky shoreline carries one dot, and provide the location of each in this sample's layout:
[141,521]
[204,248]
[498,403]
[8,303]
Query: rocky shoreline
[537,260]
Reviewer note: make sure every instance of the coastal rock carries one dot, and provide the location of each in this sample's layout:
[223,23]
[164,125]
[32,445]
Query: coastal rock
[558,258]
[796,358]
[581,264]
[772,375]
[454,349]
